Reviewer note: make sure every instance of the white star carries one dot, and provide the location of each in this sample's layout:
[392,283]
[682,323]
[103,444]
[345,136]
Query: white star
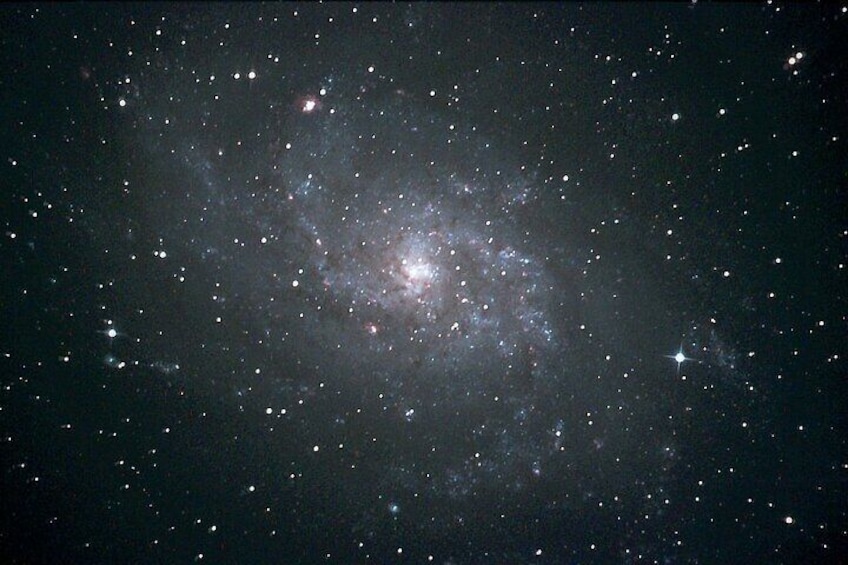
[679,358]
[111,332]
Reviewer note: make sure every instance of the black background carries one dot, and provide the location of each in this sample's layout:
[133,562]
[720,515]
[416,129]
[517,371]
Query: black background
[554,428]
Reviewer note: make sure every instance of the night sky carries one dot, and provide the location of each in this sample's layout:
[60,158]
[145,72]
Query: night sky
[472,283]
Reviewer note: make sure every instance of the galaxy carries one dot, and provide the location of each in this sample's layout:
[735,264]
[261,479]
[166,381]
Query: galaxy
[452,283]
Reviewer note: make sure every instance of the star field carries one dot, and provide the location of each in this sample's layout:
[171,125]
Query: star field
[355,283]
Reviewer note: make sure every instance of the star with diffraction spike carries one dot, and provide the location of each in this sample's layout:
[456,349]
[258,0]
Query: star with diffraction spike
[679,358]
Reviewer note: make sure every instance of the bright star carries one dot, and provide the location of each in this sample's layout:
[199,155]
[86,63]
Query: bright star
[679,358]
[110,331]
